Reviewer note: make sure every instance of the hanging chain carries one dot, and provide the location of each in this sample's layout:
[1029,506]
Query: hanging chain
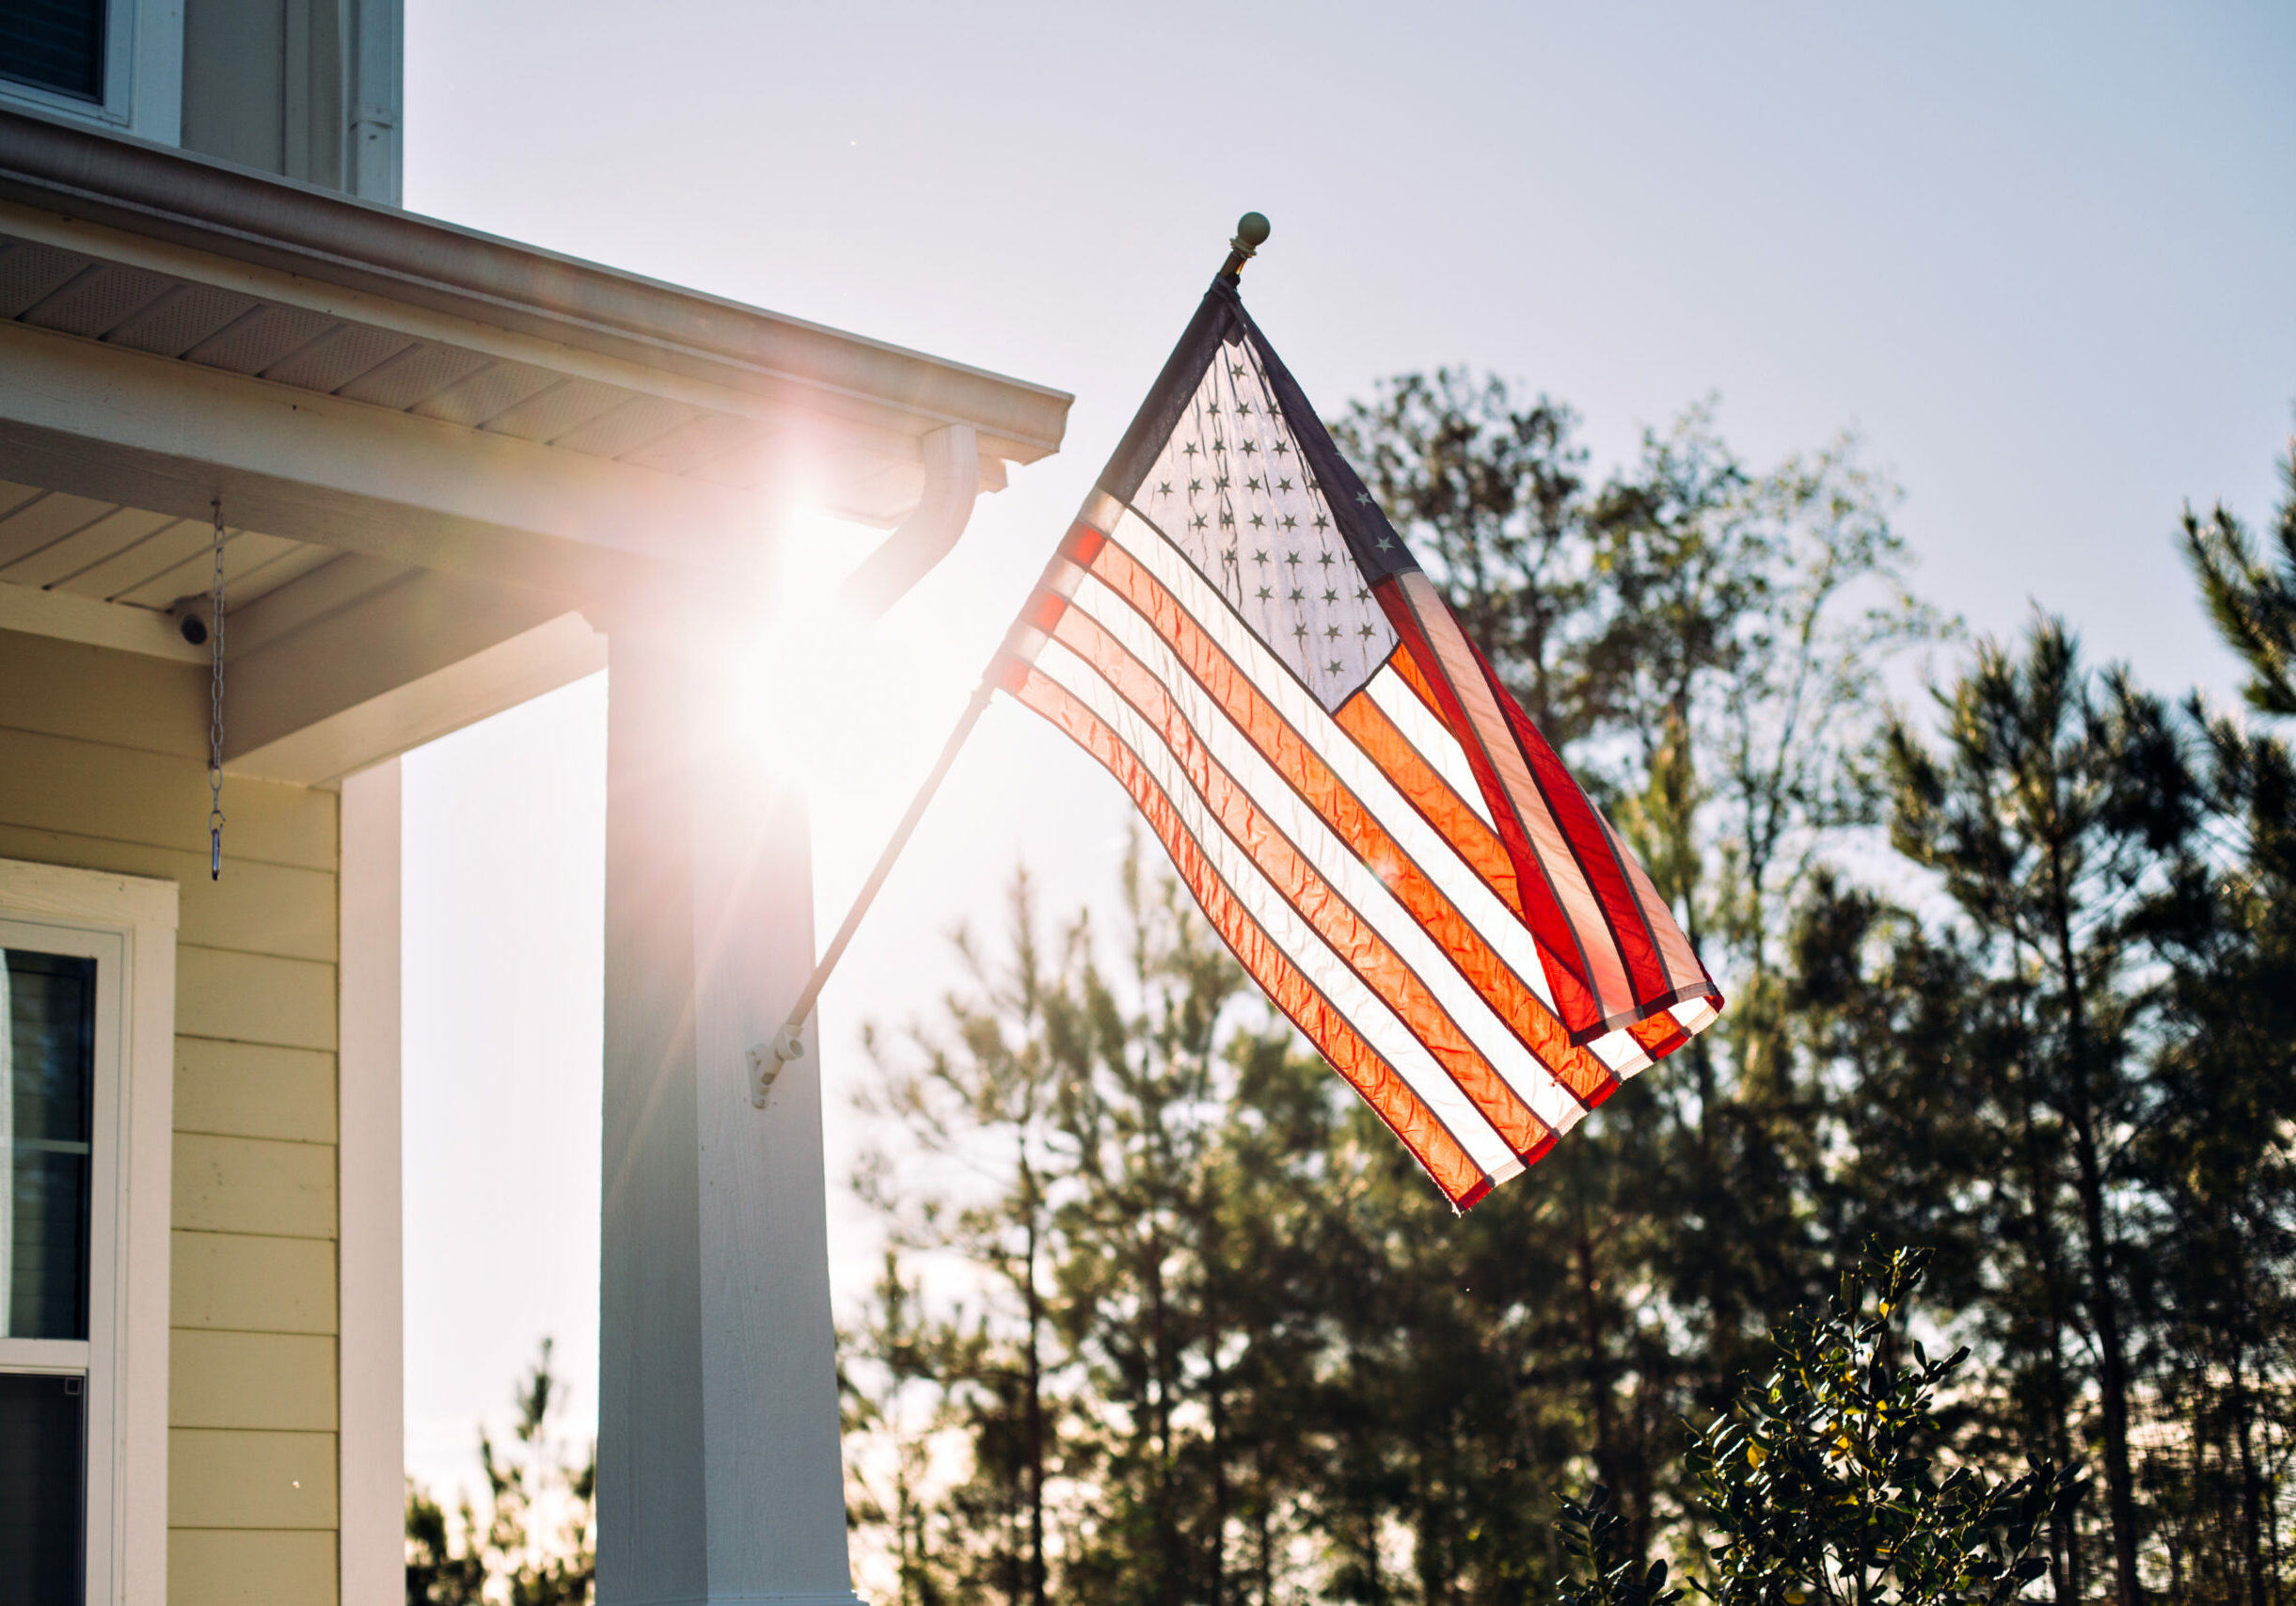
[214,728]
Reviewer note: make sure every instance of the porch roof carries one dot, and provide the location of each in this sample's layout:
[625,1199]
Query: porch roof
[432,444]
[865,401]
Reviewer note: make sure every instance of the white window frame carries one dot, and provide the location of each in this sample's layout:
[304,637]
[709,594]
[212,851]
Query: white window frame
[143,75]
[127,924]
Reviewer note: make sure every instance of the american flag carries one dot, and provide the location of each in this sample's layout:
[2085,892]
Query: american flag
[1378,832]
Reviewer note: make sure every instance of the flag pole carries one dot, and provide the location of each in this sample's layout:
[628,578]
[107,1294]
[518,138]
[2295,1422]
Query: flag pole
[789,1043]
[766,1060]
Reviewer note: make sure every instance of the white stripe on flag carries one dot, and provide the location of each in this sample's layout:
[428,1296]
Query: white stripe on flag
[1453,876]
[1500,927]
[1431,737]
[1334,860]
[1370,1017]
[1583,911]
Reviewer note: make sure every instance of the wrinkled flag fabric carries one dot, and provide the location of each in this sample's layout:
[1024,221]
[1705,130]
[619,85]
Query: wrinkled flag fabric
[1386,841]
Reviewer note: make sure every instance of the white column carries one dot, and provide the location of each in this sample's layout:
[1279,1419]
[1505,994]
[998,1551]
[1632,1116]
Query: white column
[720,1477]
[371,1351]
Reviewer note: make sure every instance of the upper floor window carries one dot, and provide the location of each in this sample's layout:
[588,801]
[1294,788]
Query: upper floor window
[116,63]
[55,45]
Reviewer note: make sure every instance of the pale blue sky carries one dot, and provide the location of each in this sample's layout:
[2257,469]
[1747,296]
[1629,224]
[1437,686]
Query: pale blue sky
[2040,257]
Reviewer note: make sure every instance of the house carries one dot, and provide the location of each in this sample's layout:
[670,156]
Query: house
[446,472]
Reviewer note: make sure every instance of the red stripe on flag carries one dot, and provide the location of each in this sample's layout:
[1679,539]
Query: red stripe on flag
[1295,758]
[1405,1112]
[1082,544]
[1424,788]
[1602,862]
[1597,851]
[1577,998]
[1407,665]
[1658,1035]
[1320,903]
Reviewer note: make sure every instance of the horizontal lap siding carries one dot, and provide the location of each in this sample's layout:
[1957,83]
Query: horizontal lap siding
[222,1567]
[250,1478]
[148,799]
[254,1090]
[245,1284]
[228,1380]
[253,1185]
[101,767]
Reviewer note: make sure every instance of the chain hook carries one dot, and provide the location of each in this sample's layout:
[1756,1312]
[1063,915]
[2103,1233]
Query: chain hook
[215,729]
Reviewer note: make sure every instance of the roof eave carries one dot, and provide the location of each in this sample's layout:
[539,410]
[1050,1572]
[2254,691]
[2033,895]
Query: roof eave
[241,214]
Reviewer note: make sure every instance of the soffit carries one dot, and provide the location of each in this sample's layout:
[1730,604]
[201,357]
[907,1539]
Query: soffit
[857,473]
[73,546]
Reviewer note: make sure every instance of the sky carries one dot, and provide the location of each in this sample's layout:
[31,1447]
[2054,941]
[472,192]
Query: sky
[2038,258]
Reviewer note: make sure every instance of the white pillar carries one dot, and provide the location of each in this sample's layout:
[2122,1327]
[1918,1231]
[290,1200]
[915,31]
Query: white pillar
[720,1477]
[370,1352]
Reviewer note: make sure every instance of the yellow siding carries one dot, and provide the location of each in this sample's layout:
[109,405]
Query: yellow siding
[258,908]
[237,997]
[235,1379]
[242,1478]
[219,1566]
[113,697]
[88,789]
[101,766]
[254,1185]
[252,1284]
[260,1092]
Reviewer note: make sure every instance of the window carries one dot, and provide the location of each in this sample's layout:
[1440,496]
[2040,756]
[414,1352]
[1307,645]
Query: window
[44,1486]
[47,1119]
[57,1002]
[115,62]
[87,1000]
[55,44]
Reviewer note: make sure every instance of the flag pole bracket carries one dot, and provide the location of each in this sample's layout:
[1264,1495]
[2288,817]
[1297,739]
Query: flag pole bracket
[769,1060]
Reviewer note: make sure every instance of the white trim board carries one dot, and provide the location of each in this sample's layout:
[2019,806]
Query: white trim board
[95,623]
[373,1400]
[128,924]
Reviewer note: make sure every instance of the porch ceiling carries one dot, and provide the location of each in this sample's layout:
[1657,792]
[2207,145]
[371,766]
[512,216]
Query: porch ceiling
[78,547]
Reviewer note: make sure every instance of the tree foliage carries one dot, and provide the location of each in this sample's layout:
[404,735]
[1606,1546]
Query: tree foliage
[537,1544]
[1823,1480]
[2252,598]
[1168,1318]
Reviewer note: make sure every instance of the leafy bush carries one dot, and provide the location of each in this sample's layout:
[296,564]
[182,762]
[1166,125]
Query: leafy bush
[1822,1485]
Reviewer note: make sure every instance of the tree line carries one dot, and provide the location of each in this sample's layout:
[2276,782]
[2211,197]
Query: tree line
[1164,1317]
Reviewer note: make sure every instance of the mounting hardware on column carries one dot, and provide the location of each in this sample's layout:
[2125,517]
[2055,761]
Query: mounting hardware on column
[767,1061]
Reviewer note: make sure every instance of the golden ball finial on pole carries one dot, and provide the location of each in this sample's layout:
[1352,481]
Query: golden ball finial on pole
[1252,231]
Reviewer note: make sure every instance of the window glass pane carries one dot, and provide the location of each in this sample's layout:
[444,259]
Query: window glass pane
[47,1126]
[57,44]
[43,1435]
